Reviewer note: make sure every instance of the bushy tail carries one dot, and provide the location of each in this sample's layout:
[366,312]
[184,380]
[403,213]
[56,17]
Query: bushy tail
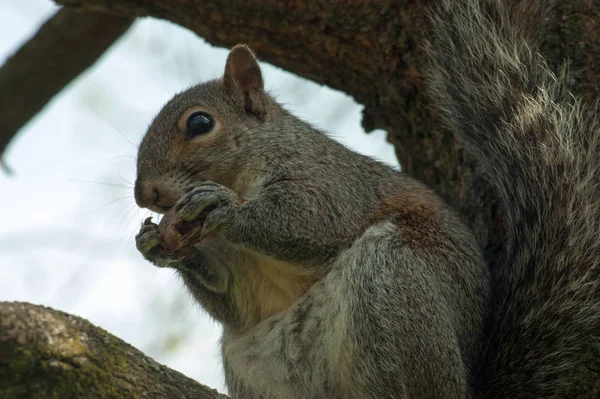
[540,148]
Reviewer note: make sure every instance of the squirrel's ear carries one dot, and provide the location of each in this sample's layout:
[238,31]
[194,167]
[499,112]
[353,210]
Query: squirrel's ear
[243,79]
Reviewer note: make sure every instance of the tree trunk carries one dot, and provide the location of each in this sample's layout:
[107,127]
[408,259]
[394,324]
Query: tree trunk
[372,50]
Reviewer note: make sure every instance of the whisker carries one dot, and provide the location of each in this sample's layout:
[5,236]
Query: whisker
[128,216]
[110,203]
[118,130]
[126,181]
[166,87]
[103,184]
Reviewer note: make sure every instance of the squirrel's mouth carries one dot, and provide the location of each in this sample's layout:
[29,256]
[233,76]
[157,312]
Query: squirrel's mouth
[161,209]
[163,201]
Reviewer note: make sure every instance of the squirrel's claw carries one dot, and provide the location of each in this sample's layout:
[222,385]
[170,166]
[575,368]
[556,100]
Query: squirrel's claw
[147,238]
[149,242]
[209,201]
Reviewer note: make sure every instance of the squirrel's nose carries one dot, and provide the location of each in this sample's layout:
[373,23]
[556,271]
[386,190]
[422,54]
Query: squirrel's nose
[145,194]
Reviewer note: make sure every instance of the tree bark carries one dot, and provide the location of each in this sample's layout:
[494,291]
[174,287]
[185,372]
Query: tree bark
[45,353]
[372,50]
[64,46]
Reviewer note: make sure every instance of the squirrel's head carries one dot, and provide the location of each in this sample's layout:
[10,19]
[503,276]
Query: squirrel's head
[204,134]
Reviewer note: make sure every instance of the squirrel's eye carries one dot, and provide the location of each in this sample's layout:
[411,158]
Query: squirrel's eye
[199,123]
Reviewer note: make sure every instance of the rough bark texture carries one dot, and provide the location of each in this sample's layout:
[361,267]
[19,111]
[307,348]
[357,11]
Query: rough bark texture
[371,49]
[66,45]
[45,353]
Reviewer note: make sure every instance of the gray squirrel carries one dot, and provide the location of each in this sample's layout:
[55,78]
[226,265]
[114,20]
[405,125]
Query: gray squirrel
[335,276]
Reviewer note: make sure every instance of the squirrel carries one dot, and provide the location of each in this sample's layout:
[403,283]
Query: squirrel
[332,274]
[335,276]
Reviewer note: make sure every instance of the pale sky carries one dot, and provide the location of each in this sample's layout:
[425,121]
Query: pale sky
[67,237]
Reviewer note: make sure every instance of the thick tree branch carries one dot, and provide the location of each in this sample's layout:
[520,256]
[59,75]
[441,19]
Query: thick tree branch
[45,353]
[63,47]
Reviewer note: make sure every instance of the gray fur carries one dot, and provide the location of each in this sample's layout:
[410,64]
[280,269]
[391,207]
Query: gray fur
[333,275]
[382,324]
[539,147]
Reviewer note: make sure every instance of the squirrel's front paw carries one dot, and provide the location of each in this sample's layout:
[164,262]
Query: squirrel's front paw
[149,242]
[211,203]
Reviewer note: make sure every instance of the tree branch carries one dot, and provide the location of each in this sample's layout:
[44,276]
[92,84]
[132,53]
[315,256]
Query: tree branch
[63,47]
[47,353]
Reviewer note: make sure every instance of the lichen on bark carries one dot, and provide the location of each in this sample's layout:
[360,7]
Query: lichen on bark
[45,353]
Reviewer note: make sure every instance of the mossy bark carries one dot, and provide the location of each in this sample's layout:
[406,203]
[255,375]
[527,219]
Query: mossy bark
[45,353]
